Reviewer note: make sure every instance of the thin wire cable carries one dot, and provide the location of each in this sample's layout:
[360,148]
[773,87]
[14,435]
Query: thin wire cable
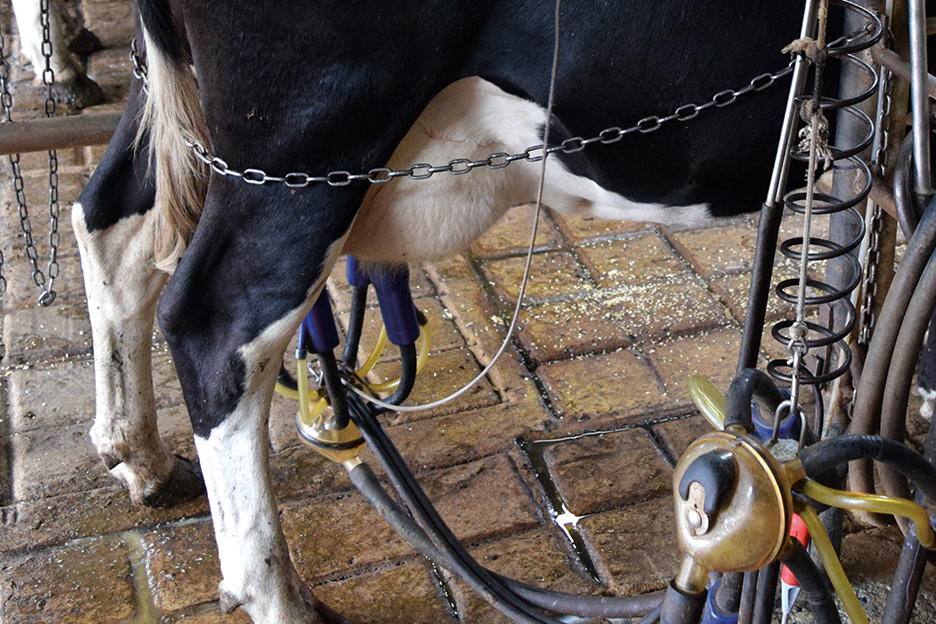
[798,332]
[529,258]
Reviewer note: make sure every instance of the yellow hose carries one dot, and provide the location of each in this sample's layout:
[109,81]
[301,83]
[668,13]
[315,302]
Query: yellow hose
[709,400]
[831,562]
[425,344]
[286,393]
[362,372]
[870,502]
[377,351]
[306,397]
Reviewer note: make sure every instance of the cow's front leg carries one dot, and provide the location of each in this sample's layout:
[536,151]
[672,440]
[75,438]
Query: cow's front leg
[113,222]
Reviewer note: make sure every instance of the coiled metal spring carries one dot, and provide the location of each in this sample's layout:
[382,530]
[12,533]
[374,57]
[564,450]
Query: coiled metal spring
[844,186]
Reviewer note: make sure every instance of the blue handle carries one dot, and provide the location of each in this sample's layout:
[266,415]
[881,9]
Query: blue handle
[713,613]
[763,428]
[396,303]
[319,333]
[355,273]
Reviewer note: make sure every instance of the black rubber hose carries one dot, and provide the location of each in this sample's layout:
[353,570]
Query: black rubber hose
[766,593]
[286,379]
[367,483]
[355,326]
[652,617]
[829,453]
[748,596]
[813,585]
[728,596]
[768,230]
[408,360]
[681,608]
[900,374]
[750,383]
[871,390]
[585,606]
[479,579]
[906,584]
[337,396]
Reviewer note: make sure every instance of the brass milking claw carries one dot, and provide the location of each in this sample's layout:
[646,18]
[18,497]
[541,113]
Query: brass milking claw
[734,506]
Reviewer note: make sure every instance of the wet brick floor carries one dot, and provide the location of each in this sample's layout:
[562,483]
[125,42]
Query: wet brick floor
[584,416]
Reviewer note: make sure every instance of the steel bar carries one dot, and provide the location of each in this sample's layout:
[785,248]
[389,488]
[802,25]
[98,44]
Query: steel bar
[898,66]
[772,211]
[912,563]
[39,135]
[848,132]
[919,98]
[882,194]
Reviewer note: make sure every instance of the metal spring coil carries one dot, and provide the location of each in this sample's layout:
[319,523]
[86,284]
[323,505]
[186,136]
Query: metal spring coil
[846,164]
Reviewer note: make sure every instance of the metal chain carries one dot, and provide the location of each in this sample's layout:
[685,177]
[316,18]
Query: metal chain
[498,160]
[48,79]
[18,186]
[6,100]
[870,284]
[139,66]
[461,166]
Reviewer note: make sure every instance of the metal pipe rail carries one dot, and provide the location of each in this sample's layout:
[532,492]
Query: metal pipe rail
[895,63]
[39,135]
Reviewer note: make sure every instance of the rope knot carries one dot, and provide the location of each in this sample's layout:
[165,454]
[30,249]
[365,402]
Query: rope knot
[808,47]
[811,113]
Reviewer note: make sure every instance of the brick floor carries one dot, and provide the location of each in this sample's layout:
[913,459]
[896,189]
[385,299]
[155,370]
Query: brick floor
[594,386]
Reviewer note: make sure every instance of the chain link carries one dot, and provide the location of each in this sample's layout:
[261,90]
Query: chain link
[48,79]
[6,101]
[462,166]
[139,66]
[873,258]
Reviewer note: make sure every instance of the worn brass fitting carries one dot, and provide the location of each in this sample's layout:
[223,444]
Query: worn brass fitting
[733,503]
[339,445]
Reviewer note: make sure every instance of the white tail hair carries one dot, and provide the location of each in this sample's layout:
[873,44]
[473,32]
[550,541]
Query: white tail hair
[172,115]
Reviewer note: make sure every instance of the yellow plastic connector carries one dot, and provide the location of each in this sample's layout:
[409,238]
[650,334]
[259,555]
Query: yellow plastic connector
[830,561]
[709,400]
[306,397]
[874,503]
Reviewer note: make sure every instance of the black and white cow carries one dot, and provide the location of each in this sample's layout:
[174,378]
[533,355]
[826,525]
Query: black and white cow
[356,85]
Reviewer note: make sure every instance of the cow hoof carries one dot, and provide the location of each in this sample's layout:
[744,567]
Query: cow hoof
[229,602]
[77,92]
[183,484]
[84,42]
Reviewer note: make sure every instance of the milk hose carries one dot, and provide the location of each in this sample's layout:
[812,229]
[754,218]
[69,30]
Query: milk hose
[502,593]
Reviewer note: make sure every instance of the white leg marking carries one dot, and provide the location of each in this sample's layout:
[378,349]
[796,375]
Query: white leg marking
[929,401]
[123,286]
[255,563]
[413,220]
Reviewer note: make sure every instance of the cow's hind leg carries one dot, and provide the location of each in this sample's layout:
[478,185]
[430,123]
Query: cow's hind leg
[71,85]
[240,290]
[113,222]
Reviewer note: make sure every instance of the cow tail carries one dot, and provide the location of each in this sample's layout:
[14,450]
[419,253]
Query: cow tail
[172,117]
